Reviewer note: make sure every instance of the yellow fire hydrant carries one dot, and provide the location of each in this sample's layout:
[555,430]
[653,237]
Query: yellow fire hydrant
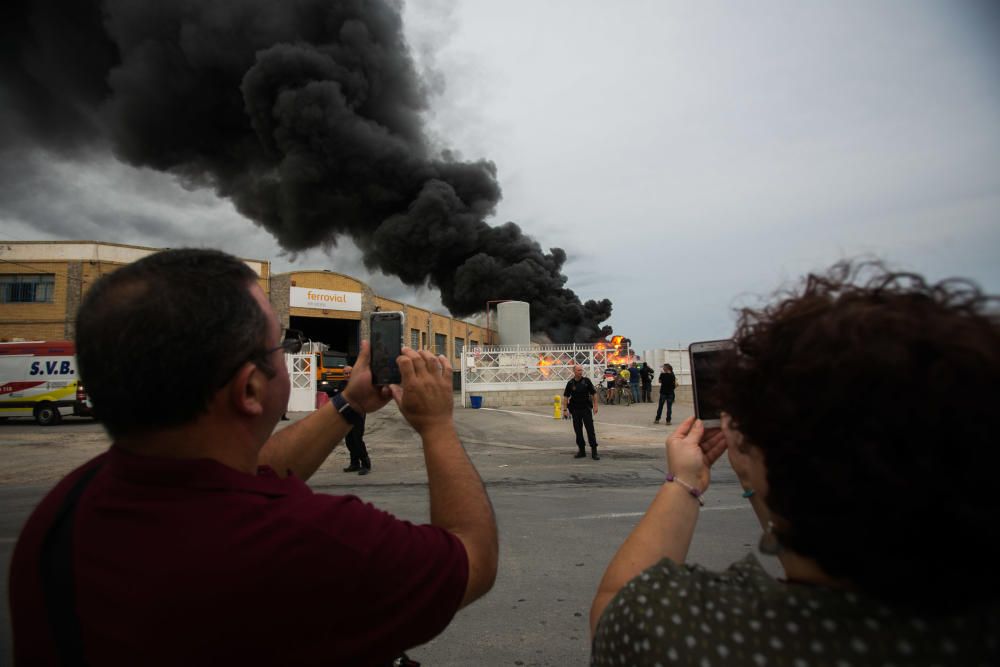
[557,407]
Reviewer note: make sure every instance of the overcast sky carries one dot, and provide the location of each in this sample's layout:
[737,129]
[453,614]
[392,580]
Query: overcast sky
[686,155]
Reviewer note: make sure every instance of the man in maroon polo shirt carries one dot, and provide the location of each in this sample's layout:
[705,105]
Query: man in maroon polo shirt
[194,539]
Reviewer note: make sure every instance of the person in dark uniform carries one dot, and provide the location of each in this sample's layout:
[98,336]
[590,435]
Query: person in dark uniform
[646,374]
[355,438]
[582,404]
[668,383]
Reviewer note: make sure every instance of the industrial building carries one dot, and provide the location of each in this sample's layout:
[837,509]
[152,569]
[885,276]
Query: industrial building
[43,282]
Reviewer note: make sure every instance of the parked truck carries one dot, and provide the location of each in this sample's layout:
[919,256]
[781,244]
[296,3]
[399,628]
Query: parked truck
[329,365]
[39,379]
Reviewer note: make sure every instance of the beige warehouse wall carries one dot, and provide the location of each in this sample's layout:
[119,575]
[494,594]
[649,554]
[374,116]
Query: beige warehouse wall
[76,266]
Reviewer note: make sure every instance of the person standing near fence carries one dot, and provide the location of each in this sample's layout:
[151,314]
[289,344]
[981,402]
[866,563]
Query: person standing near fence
[610,374]
[582,404]
[355,438]
[633,381]
[646,374]
[668,383]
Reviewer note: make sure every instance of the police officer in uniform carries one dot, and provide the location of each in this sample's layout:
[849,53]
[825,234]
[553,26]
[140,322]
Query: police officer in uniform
[582,404]
[355,438]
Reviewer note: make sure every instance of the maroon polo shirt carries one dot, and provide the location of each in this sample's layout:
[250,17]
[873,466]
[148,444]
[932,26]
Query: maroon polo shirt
[186,562]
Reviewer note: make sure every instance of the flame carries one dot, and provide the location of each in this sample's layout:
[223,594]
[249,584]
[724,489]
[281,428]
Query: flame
[544,361]
[616,352]
[620,355]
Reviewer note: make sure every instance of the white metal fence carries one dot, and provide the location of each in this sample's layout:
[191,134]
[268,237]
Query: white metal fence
[522,368]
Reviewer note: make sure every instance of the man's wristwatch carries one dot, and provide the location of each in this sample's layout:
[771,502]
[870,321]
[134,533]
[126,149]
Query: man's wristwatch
[341,405]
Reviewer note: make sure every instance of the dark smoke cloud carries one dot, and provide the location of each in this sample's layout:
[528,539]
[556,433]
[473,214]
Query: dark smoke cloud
[306,114]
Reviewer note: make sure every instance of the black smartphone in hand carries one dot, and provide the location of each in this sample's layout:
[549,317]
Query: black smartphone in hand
[386,329]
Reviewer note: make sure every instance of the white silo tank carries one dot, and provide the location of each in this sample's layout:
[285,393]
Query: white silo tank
[514,323]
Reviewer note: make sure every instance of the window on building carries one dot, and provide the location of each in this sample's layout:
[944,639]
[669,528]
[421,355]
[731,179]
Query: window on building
[415,339]
[459,347]
[440,344]
[27,287]
[474,343]
[423,340]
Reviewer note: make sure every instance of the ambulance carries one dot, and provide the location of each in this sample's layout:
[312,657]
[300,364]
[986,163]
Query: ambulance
[39,379]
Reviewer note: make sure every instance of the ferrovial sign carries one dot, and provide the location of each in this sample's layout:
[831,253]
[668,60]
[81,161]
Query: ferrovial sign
[305,297]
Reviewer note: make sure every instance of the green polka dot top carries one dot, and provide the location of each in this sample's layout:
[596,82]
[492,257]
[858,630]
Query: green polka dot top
[687,615]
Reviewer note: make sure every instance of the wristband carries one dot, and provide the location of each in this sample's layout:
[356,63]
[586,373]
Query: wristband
[350,415]
[747,493]
[695,493]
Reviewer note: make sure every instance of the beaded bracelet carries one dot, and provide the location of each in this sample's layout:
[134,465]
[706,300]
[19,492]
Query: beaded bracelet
[690,489]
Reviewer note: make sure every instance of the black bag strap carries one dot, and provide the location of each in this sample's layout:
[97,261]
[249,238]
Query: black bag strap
[58,580]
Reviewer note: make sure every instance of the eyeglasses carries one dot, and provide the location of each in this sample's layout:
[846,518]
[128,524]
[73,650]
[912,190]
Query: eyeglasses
[293,342]
[294,339]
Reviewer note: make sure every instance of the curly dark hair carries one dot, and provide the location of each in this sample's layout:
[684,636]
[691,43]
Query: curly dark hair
[158,337]
[872,396]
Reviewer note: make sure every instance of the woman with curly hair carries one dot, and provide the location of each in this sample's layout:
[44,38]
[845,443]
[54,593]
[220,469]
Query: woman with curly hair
[858,418]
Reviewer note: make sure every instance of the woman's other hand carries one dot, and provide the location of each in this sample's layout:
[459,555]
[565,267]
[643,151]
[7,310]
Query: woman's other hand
[691,451]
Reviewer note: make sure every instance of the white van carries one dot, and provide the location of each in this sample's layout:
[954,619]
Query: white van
[39,379]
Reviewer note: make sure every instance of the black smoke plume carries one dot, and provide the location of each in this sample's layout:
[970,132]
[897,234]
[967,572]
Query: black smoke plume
[305,113]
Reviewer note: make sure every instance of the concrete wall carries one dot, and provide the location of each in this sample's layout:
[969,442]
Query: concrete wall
[66,251]
[279,297]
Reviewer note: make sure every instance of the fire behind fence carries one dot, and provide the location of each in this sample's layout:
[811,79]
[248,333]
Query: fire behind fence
[516,367]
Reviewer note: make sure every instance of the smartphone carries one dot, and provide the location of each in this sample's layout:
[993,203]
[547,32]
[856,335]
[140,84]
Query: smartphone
[705,359]
[386,345]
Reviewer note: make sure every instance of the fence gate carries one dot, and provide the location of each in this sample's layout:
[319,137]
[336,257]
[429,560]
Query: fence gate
[303,379]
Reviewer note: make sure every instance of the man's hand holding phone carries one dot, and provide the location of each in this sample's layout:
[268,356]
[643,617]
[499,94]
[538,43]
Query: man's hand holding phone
[360,393]
[386,329]
[425,397]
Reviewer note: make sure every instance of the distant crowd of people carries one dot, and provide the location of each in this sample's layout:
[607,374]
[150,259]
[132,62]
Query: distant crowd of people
[632,383]
[858,420]
[628,383]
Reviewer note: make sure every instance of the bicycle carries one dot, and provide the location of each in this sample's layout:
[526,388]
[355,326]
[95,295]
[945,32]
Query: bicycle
[622,391]
[626,391]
